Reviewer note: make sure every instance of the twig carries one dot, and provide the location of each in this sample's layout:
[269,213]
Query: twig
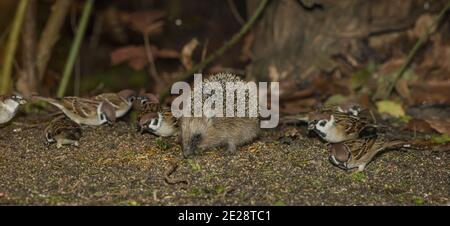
[416,47]
[173,167]
[235,12]
[27,83]
[151,59]
[75,47]
[205,49]
[11,47]
[50,35]
[236,37]
[5,34]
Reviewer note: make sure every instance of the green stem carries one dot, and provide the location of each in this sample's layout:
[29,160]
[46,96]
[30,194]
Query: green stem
[11,47]
[414,50]
[75,47]
[236,37]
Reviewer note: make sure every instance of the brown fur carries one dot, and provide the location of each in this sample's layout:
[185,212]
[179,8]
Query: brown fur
[204,133]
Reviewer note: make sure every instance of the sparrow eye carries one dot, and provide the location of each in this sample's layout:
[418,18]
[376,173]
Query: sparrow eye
[132,99]
[322,123]
[155,122]
[102,116]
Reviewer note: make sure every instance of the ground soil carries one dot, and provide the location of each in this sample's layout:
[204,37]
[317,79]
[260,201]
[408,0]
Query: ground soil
[117,166]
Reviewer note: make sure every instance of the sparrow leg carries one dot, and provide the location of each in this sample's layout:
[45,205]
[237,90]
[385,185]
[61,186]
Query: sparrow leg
[359,169]
[63,141]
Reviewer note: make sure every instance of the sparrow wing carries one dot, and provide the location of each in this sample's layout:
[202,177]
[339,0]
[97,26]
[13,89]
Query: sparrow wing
[148,108]
[83,107]
[62,125]
[361,147]
[115,100]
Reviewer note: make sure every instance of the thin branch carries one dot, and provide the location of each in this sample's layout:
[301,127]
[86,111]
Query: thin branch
[11,47]
[50,35]
[235,12]
[27,83]
[416,47]
[5,34]
[236,37]
[75,47]
[150,58]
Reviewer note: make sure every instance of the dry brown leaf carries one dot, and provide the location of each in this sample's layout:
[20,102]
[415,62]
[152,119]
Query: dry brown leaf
[431,92]
[442,126]
[136,55]
[146,22]
[419,125]
[421,27]
[246,51]
[402,88]
[186,53]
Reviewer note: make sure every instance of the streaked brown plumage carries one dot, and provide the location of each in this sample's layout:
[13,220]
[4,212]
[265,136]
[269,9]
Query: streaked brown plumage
[63,131]
[357,153]
[84,111]
[335,126]
[161,123]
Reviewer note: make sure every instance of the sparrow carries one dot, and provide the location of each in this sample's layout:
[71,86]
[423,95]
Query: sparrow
[63,131]
[121,101]
[335,126]
[161,123]
[357,153]
[149,120]
[86,111]
[9,105]
[147,103]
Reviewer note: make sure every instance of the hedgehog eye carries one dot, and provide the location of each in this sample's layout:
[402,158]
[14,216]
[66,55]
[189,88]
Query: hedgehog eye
[322,123]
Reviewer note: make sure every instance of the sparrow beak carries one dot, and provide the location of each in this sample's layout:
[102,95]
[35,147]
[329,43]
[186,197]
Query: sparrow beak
[312,125]
[138,127]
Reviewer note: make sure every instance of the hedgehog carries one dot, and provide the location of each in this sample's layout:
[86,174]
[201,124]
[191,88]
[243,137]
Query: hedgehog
[209,132]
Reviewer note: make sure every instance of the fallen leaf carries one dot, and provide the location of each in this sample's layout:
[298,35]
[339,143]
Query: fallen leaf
[391,108]
[246,51]
[430,92]
[419,125]
[187,52]
[136,55]
[403,90]
[442,126]
[146,22]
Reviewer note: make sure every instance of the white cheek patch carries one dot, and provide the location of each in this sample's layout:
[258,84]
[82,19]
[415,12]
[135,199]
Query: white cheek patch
[99,112]
[158,125]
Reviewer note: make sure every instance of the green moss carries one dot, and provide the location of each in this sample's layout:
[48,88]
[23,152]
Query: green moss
[194,165]
[279,203]
[419,200]
[359,176]
[161,144]
[442,139]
